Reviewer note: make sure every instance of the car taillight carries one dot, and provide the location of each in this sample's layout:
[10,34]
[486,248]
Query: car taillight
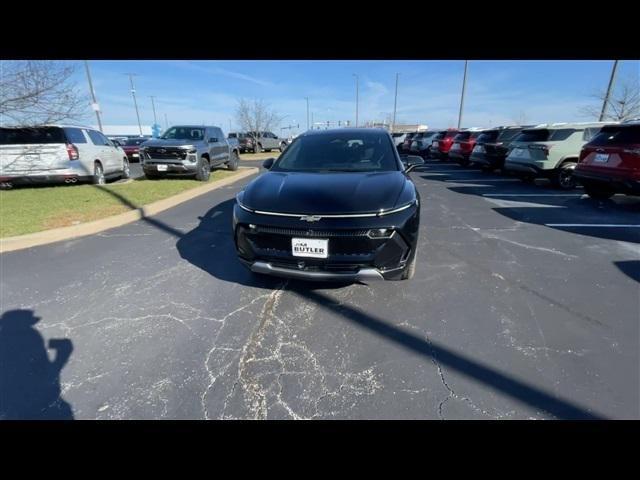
[72,151]
[583,155]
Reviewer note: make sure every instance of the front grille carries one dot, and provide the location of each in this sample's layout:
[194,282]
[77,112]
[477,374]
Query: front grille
[310,232]
[166,153]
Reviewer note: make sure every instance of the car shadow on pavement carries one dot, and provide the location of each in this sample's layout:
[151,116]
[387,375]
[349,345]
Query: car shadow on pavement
[631,268]
[486,375]
[210,247]
[29,381]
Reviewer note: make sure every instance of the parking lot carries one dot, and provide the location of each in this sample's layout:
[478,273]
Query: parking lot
[525,305]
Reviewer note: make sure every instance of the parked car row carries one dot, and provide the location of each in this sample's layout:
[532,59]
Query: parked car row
[256,142]
[602,156]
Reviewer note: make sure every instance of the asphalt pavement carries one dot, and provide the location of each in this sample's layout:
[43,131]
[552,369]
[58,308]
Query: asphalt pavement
[520,308]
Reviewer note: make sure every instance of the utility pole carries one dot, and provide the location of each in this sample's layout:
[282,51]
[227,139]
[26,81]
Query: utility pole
[357,88]
[395,103]
[609,88]
[135,103]
[153,105]
[464,86]
[94,105]
[166,122]
[307,98]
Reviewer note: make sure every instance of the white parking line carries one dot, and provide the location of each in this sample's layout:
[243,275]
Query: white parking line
[532,194]
[592,225]
[471,180]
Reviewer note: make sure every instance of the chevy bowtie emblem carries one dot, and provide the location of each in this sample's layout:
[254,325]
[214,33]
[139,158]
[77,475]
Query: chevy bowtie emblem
[311,218]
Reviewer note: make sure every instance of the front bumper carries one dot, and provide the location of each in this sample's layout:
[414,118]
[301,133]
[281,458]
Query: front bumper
[174,167]
[264,244]
[617,183]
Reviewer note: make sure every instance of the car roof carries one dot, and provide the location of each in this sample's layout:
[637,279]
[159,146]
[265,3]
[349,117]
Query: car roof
[561,125]
[52,125]
[345,130]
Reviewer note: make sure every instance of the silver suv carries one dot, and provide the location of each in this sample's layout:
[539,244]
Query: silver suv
[189,150]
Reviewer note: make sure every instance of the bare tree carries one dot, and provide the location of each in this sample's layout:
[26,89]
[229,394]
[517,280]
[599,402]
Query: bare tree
[255,116]
[623,104]
[39,92]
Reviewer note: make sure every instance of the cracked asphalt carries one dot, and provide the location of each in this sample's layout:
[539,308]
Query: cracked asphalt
[506,318]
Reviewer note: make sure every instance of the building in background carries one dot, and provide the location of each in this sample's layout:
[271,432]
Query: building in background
[409,128]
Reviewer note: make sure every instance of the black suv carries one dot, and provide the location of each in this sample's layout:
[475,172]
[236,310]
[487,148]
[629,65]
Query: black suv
[335,205]
[492,146]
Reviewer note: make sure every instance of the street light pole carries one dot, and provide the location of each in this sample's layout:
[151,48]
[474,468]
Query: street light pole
[395,103]
[153,105]
[95,105]
[135,103]
[464,86]
[609,88]
[166,122]
[307,98]
[357,88]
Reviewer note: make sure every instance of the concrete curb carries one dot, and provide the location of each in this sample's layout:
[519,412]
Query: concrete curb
[45,237]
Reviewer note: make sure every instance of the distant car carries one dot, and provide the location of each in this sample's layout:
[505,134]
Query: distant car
[132,148]
[462,146]
[245,142]
[58,154]
[398,139]
[406,144]
[550,151]
[421,143]
[267,141]
[610,162]
[492,146]
[440,147]
[189,150]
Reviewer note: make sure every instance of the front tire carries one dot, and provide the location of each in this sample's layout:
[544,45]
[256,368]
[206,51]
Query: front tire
[233,162]
[203,170]
[98,174]
[126,170]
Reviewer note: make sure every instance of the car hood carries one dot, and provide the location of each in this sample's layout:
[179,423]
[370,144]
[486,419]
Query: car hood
[157,142]
[324,193]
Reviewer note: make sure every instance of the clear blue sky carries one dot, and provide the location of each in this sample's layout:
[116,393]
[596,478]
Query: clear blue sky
[498,92]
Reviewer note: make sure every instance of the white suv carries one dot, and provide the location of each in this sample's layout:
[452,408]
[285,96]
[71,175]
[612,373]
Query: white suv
[58,153]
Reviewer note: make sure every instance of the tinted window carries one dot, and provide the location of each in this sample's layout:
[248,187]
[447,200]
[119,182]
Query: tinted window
[96,138]
[232,135]
[538,135]
[438,136]
[508,134]
[487,137]
[450,134]
[462,136]
[132,142]
[617,136]
[348,151]
[562,134]
[184,133]
[75,135]
[21,136]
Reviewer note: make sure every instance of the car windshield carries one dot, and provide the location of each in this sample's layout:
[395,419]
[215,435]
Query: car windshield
[618,135]
[507,134]
[339,152]
[183,133]
[134,142]
[29,136]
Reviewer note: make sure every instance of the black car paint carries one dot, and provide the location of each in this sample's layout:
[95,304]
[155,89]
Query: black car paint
[301,194]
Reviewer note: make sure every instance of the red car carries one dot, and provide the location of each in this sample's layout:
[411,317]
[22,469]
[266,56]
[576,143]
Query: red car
[440,148]
[462,146]
[610,162]
[132,148]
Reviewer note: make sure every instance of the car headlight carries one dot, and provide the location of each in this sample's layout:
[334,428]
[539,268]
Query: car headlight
[380,233]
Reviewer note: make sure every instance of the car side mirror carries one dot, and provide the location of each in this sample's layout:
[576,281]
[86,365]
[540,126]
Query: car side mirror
[213,140]
[411,161]
[268,163]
